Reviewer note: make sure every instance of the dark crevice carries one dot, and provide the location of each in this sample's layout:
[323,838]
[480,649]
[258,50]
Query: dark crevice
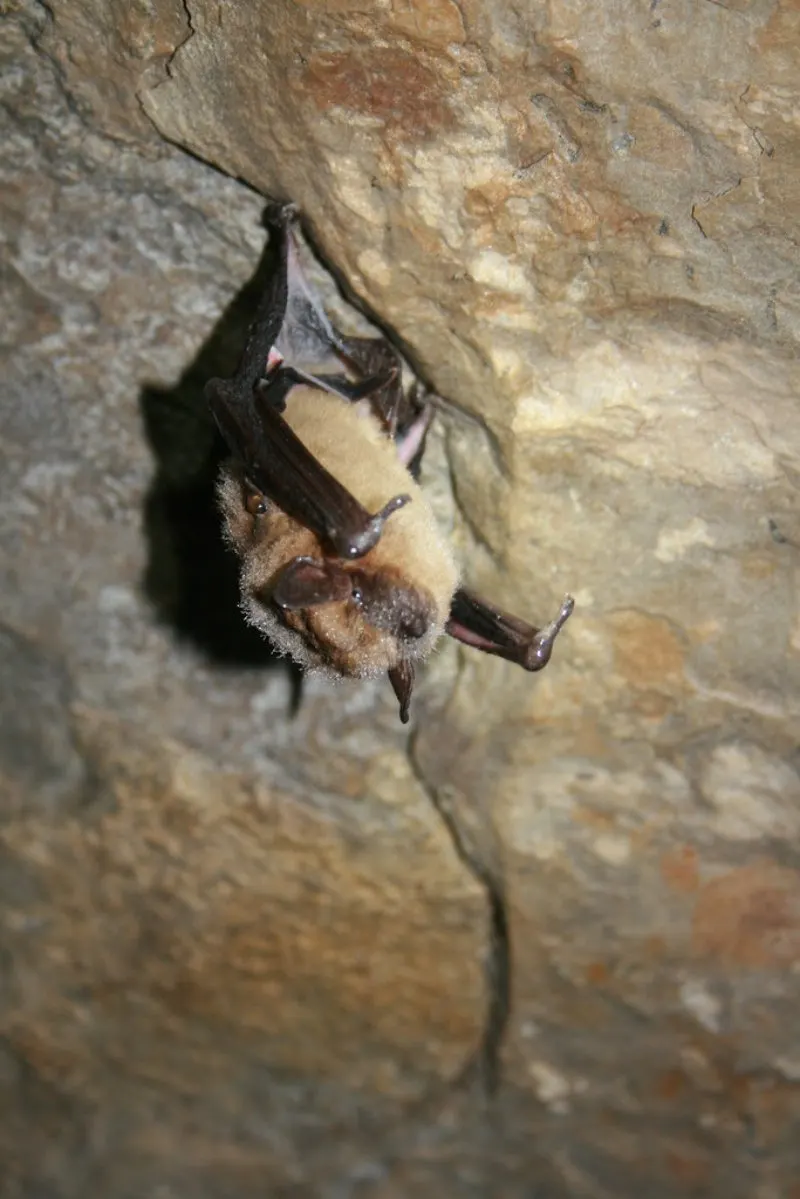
[459,1102]
[696,221]
[190,34]
[779,537]
[498,984]
[191,577]
[484,1065]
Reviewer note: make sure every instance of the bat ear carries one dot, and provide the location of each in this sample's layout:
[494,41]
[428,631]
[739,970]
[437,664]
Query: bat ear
[401,677]
[306,583]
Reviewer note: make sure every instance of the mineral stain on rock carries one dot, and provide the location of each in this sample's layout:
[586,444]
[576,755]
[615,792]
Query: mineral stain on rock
[648,650]
[749,918]
[680,869]
[389,84]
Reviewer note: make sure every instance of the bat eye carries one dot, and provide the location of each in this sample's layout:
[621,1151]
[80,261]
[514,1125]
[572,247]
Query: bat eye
[358,582]
[256,504]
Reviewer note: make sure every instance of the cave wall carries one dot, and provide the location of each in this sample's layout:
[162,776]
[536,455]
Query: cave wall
[248,950]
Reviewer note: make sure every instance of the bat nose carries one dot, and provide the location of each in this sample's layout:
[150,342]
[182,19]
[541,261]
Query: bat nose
[412,625]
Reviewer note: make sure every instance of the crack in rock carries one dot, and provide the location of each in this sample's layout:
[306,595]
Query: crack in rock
[484,1064]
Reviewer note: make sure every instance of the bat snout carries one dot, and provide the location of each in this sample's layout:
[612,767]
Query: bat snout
[387,602]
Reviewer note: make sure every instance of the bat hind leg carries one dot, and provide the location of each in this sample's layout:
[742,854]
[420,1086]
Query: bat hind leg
[475,622]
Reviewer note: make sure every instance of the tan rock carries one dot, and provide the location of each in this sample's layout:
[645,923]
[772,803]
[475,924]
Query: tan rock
[244,953]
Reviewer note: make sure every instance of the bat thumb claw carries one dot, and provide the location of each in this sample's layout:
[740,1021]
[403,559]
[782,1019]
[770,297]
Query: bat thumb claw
[360,544]
[397,501]
[380,518]
[542,645]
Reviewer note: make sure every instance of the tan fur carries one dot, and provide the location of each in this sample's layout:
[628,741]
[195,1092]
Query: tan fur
[335,637]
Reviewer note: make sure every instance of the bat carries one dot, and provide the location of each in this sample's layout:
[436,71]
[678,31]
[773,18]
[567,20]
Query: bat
[342,564]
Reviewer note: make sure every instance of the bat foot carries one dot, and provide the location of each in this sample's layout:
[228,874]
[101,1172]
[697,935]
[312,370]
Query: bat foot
[541,647]
[281,212]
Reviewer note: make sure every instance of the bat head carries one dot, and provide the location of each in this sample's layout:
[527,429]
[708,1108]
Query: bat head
[360,619]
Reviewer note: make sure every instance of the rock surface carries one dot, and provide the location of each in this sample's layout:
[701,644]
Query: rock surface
[244,952]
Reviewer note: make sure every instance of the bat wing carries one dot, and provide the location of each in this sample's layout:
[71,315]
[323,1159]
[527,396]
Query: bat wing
[291,328]
[278,464]
[289,339]
[295,331]
[307,339]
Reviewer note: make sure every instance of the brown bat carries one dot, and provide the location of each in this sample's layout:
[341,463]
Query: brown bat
[343,566]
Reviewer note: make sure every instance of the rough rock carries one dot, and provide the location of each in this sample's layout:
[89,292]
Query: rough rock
[246,952]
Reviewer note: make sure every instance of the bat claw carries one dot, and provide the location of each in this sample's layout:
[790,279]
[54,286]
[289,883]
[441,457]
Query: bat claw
[541,646]
[397,501]
[355,546]
[279,212]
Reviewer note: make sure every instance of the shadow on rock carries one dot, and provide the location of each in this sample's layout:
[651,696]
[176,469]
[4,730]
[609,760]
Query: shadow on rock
[191,576]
